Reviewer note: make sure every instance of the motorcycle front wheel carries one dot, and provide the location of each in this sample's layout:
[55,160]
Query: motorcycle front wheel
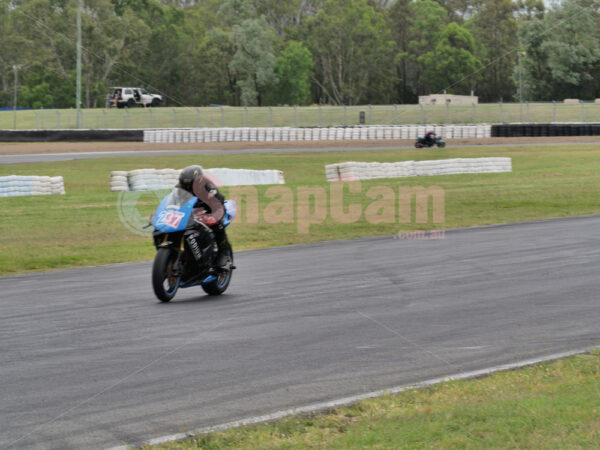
[164,281]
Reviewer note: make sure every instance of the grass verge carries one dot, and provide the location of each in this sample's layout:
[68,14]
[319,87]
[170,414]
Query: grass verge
[83,227]
[546,406]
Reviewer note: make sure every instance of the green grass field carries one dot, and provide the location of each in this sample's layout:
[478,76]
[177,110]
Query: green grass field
[83,227]
[548,406]
[306,116]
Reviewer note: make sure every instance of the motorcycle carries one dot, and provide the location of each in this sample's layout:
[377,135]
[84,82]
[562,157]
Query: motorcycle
[421,142]
[179,234]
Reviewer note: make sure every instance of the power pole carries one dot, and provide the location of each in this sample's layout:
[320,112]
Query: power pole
[520,86]
[78,95]
[520,77]
[16,69]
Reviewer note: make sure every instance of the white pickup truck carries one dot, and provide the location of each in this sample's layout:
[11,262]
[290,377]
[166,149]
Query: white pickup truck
[134,96]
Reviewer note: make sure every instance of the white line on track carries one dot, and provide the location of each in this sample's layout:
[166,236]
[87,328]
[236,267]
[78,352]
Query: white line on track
[315,407]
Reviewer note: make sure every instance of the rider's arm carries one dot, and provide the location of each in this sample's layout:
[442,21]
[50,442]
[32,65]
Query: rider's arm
[210,196]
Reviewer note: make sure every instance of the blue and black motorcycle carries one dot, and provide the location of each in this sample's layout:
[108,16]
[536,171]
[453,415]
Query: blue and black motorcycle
[176,219]
[421,142]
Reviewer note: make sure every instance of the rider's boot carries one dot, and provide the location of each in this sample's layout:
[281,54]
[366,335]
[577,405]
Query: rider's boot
[223,247]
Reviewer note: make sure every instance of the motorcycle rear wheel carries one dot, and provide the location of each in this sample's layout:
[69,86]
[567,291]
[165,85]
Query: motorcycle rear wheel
[164,282]
[220,285]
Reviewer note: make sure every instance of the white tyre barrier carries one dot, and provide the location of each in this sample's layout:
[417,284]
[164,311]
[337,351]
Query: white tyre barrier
[22,185]
[153,179]
[276,134]
[366,171]
[118,181]
[246,177]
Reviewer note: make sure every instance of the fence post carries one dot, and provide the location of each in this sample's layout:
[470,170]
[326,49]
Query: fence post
[295,116]
[582,111]
[104,118]
[554,110]
[58,119]
[270,116]
[246,116]
[521,112]
[422,113]
[174,118]
[370,115]
[527,110]
[126,117]
[500,111]
[197,117]
[396,118]
[320,116]
[35,120]
[447,112]
[474,114]
[345,116]
[151,118]
[222,117]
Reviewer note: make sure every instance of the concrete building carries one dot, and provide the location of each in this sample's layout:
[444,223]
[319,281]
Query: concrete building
[442,99]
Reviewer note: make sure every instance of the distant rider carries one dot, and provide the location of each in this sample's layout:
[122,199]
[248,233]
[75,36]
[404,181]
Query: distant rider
[430,139]
[193,180]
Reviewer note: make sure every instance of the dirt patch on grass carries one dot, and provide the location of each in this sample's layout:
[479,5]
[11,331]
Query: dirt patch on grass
[24,148]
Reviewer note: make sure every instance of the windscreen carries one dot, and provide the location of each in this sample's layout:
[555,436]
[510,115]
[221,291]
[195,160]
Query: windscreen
[177,198]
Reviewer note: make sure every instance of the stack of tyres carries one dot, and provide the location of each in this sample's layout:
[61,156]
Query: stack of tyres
[118,181]
[545,129]
[500,130]
[564,130]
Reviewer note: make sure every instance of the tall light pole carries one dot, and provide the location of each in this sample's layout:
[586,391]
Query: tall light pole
[16,68]
[520,77]
[78,93]
[520,86]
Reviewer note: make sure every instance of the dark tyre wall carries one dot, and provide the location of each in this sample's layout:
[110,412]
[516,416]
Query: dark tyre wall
[71,135]
[545,129]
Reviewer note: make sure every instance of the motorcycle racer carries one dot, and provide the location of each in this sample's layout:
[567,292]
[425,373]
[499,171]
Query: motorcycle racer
[430,138]
[193,180]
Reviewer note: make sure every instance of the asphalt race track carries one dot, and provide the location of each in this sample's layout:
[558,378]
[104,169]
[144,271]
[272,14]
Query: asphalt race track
[69,156]
[90,359]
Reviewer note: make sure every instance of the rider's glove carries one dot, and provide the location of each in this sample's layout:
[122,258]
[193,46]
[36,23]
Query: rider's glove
[200,216]
[209,220]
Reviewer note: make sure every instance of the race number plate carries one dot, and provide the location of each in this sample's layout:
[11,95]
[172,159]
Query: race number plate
[170,218]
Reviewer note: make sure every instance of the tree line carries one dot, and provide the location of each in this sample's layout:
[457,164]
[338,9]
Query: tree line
[298,52]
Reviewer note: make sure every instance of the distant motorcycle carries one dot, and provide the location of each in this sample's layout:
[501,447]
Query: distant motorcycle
[422,142]
[178,216]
